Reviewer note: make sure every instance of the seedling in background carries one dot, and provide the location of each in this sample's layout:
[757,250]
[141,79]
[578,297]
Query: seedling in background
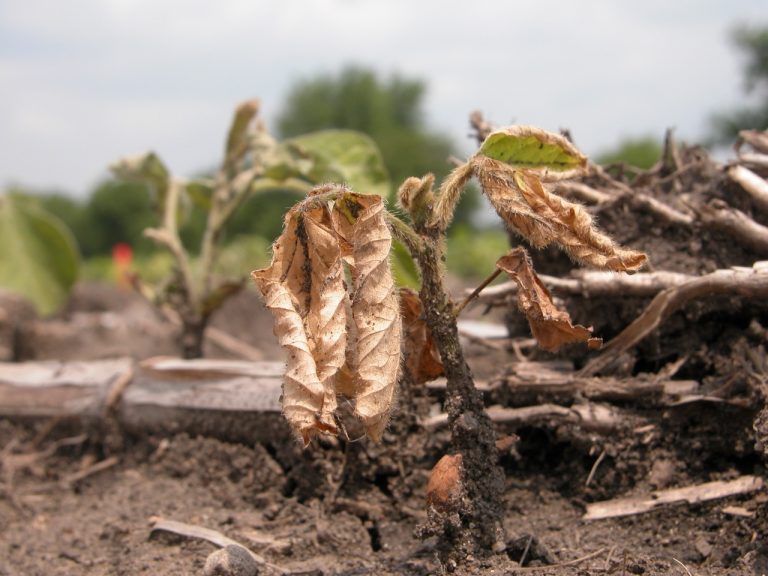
[253,163]
[346,341]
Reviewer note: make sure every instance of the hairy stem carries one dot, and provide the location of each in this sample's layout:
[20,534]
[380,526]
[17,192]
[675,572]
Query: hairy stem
[406,235]
[472,434]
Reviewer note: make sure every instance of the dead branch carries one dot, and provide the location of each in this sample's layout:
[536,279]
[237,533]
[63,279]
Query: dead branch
[582,192]
[671,161]
[744,282]
[660,209]
[755,138]
[73,479]
[599,418]
[741,227]
[193,531]
[539,380]
[528,569]
[759,161]
[233,345]
[753,184]
[481,127]
[593,283]
[641,200]
[689,494]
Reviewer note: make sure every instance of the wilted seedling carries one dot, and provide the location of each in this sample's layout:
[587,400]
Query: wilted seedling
[254,163]
[348,343]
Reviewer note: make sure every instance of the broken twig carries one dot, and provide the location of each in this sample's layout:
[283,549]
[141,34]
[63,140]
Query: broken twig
[690,494]
[745,282]
[214,537]
[753,184]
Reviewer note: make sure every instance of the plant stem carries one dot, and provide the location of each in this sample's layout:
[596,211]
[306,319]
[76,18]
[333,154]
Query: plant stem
[406,235]
[208,246]
[172,240]
[472,435]
[476,291]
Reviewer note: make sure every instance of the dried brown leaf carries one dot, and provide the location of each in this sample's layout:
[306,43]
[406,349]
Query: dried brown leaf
[336,344]
[375,309]
[551,327]
[304,289]
[544,218]
[422,358]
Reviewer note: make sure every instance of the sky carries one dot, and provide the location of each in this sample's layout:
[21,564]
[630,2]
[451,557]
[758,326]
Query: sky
[84,82]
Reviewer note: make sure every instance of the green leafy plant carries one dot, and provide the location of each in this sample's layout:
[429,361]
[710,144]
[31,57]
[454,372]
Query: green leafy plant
[345,339]
[254,163]
[38,254]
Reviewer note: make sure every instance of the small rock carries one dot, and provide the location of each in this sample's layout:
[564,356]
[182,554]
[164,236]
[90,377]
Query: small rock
[231,560]
[662,473]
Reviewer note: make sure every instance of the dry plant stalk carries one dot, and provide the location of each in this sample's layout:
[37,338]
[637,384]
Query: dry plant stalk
[304,289]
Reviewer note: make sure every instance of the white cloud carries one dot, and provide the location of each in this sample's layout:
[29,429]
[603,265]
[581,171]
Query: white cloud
[85,81]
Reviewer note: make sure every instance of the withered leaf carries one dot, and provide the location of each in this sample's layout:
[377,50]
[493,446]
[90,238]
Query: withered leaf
[544,218]
[304,289]
[375,310]
[551,327]
[422,358]
[336,344]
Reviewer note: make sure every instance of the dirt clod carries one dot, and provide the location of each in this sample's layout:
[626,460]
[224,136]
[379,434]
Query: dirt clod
[231,560]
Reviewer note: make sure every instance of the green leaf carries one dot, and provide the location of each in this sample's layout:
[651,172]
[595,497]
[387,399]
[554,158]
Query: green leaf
[403,267]
[343,156]
[145,169]
[533,148]
[38,255]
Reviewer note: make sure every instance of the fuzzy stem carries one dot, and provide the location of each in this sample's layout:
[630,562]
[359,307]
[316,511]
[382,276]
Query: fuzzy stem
[472,435]
[405,234]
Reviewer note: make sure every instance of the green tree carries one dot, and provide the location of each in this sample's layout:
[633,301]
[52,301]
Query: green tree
[753,42]
[116,212]
[642,152]
[389,111]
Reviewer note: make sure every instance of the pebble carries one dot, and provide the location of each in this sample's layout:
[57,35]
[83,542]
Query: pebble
[231,560]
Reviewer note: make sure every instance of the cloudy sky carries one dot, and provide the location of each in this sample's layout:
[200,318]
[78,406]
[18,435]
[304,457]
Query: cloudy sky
[83,82]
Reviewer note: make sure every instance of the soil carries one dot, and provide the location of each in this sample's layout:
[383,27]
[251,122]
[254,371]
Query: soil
[351,507]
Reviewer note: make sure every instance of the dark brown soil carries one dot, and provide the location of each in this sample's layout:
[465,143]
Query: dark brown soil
[352,508]
[309,513]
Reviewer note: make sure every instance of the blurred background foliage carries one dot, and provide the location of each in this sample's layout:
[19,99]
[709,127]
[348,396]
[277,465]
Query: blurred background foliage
[390,111]
[752,42]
